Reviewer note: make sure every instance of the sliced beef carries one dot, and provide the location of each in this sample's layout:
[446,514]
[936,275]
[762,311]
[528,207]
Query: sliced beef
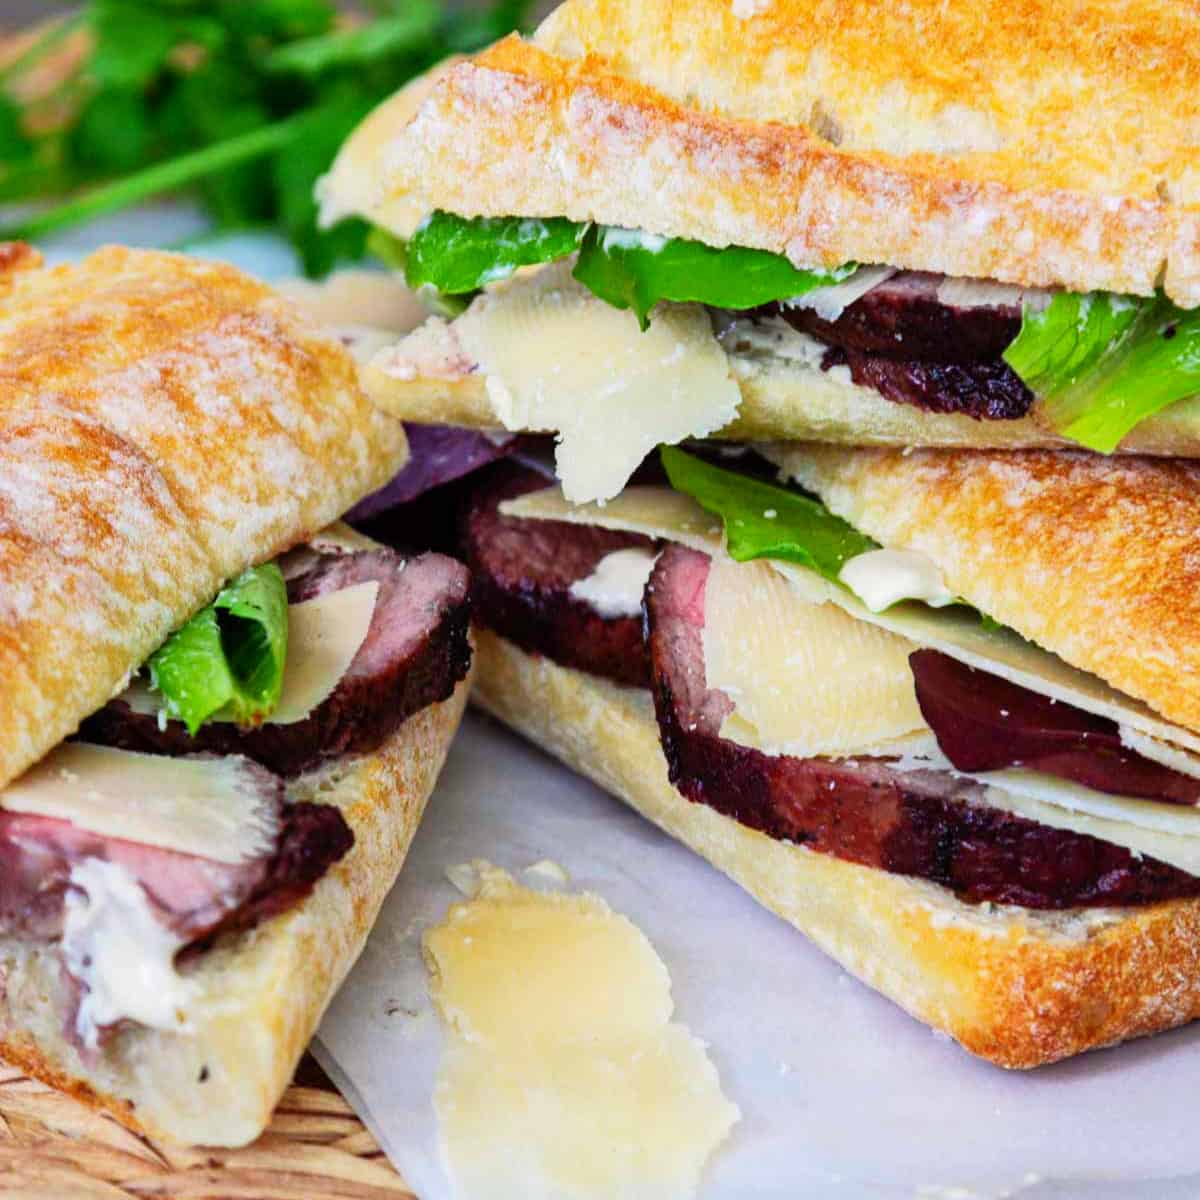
[415,653]
[311,839]
[902,318]
[919,823]
[913,348]
[523,572]
[987,391]
[985,723]
[194,897]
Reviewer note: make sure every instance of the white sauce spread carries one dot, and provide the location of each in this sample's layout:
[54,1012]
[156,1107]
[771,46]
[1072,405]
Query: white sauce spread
[121,953]
[881,578]
[614,588]
[615,238]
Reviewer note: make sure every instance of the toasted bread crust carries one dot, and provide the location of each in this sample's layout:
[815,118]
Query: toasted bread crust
[1092,558]
[265,990]
[1016,987]
[164,423]
[664,117]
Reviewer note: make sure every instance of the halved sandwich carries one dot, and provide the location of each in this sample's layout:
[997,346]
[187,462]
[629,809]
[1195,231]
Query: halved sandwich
[222,715]
[940,710]
[832,220]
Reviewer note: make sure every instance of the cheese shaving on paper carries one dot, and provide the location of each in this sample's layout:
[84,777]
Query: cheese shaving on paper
[564,1075]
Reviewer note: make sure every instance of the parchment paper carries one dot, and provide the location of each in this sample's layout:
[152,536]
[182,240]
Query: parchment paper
[842,1095]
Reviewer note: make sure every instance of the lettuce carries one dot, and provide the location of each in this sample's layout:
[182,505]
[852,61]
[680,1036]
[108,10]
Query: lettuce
[1102,364]
[634,270]
[763,520]
[227,661]
[457,256]
[627,269]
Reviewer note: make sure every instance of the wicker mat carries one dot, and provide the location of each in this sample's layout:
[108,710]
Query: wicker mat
[53,1148]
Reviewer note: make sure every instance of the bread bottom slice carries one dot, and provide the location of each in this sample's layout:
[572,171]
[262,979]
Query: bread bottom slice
[1018,987]
[261,992]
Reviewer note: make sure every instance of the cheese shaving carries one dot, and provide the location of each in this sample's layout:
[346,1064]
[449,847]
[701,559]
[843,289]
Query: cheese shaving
[564,1074]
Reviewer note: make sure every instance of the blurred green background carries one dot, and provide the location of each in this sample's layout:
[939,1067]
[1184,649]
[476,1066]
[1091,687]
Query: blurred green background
[230,109]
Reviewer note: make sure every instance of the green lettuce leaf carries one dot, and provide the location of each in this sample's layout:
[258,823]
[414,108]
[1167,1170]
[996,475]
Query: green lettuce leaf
[457,255]
[766,521]
[227,661]
[763,520]
[629,269]
[1102,364]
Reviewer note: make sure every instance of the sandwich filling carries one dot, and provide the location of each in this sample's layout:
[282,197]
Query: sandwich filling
[886,737]
[135,846]
[1097,365]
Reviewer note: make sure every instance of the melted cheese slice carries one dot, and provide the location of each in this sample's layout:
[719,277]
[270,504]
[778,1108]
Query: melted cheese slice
[616,395]
[958,632]
[324,635]
[806,679]
[211,807]
[564,1075]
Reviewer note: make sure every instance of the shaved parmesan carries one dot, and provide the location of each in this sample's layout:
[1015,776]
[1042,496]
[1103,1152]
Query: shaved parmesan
[324,635]
[956,292]
[958,632]
[1160,752]
[1168,833]
[805,679]
[562,1073]
[210,807]
[830,302]
[328,632]
[613,397]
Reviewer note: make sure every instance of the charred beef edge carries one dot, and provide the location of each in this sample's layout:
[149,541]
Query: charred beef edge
[912,348]
[865,811]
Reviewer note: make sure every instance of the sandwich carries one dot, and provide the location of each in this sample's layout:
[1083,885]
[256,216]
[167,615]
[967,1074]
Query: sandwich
[937,709]
[223,712]
[772,220]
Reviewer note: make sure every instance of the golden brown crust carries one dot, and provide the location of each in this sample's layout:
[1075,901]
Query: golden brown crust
[164,422]
[264,991]
[1016,987]
[1092,558]
[352,186]
[684,121]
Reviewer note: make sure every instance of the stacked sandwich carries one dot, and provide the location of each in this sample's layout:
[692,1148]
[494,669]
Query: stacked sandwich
[222,715]
[900,628]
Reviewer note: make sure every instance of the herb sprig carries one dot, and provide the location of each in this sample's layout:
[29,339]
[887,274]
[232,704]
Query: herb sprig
[242,102]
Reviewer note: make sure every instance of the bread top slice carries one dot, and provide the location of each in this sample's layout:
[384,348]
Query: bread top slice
[164,423]
[1095,559]
[1030,141]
